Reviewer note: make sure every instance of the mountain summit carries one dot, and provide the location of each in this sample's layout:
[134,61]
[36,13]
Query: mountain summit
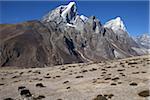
[69,12]
[62,37]
[66,14]
[116,24]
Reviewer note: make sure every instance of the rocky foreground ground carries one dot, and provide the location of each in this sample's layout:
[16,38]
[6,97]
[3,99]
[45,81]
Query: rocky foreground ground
[126,79]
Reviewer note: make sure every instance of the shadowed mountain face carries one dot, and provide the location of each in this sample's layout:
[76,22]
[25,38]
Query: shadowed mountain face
[63,37]
[33,44]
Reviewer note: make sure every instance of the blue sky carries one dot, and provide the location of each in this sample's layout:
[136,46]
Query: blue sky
[135,14]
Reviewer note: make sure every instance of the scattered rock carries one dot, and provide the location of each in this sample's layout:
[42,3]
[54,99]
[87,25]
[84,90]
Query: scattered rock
[105,95]
[102,75]
[29,71]
[70,74]
[144,93]
[40,85]
[84,71]
[73,66]
[15,76]
[1,84]
[68,88]
[39,79]
[16,81]
[143,71]
[47,74]
[57,76]
[2,78]
[119,82]
[108,78]
[116,78]
[94,81]
[103,72]
[131,63]
[21,87]
[133,84]
[123,75]
[47,77]
[8,99]
[79,76]
[40,97]
[63,69]
[103,69]
[21,73]
[25,93]
[38,72]
[113,84]
[110,96]
[65,82]
[93,69]
[59,99]
[108,67]
[120,70]
[100,97]
[135,72]
[109,74]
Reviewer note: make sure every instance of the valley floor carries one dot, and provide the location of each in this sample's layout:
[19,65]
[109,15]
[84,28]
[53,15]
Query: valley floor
[125,79]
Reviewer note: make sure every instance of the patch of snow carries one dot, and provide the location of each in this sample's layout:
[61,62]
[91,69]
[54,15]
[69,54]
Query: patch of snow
[118,55]
[84,18]
[97,29]
[70,25]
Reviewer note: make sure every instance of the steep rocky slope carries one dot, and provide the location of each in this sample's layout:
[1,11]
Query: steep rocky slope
[33,44]
[63,36]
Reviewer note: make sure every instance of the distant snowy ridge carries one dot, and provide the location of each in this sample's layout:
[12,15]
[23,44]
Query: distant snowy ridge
[143,40]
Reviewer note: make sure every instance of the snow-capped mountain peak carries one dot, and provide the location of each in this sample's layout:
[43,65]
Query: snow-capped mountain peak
[115,24]
[67,15]
[69,12]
